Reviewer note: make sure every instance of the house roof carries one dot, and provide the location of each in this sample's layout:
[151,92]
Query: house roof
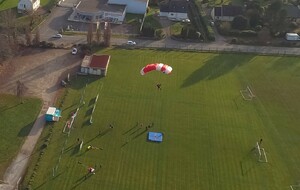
[100,61]
[228,10]
[292,11]
[178,6]
[86,61]
[99,5]
[125,2]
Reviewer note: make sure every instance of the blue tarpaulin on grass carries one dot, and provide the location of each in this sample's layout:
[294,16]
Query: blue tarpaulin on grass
[155,136]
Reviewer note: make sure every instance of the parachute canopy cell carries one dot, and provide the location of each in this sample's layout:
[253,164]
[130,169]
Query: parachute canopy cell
[166,69]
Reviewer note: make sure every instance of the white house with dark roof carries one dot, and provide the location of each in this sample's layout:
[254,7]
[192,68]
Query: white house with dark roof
[293,12]
[28,5]
[175,10]
[132,6]
[226,12]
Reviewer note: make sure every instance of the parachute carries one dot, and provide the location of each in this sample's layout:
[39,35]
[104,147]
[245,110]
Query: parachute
[158,67]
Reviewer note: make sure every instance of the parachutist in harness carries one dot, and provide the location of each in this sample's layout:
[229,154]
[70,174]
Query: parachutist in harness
[158,86]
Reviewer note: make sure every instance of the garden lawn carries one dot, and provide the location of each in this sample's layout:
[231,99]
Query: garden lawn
[8,4]
[209,130]
[16,122]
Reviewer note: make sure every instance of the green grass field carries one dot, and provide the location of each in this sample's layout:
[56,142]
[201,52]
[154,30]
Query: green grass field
[16,120]
[209,129]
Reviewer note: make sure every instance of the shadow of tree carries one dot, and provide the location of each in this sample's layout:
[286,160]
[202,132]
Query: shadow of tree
[76,150]
[25,130]
[216,67]
[80,81]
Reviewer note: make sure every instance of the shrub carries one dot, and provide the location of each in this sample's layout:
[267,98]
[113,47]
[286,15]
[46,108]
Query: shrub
[190,33]
[258,28]
[159,33]
[248,33]
[50,45]
[293,25]
[148,31]
[239,22]
[234,40]
[224,28]
[45,145]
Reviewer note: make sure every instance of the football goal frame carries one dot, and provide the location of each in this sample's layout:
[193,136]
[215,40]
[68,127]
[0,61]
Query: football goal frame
[69,123]
[295,187]
[247,93]
[262,156]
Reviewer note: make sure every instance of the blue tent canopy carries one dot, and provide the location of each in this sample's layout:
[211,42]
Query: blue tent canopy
[155,136]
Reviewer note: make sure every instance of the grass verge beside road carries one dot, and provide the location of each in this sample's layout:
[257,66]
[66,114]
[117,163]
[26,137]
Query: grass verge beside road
[8,4]
[17,120]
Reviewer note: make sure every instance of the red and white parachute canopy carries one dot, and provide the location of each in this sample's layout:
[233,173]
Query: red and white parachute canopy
[156,67]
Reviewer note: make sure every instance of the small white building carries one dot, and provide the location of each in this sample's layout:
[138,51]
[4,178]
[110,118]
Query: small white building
[95,11]
[95,64]
[175,10]
[28,5]
[112,11]
[132,6]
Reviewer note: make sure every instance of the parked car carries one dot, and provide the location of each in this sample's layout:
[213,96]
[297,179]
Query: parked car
[131,43]
[57,36]
[74,51]
[186,20]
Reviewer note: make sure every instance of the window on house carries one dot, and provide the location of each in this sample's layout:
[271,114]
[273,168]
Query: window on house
[24,6]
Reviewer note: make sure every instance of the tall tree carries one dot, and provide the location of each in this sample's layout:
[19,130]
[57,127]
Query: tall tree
[98,33]
[37,37]
[8,30]
[20,90]
[89,36]
[28,36]
[107,34]
[273,10]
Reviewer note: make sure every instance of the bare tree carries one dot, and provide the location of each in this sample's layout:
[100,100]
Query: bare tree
[28,36]
[5,50]
[20,90]
[37,37]
[89,37]
[107,34]
[8,29]
[98,33]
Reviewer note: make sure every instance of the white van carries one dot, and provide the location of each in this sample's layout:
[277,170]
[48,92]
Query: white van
[292,36]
